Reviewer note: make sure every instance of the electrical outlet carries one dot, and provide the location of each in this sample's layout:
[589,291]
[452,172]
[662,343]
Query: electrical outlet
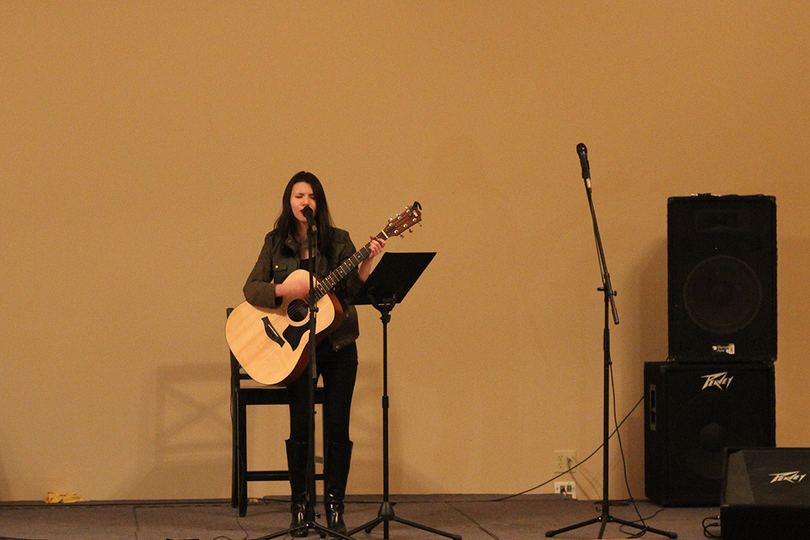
[569,489]
[564,460]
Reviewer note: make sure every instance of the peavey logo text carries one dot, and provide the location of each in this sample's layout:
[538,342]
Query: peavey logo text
[793,477]
[719,380]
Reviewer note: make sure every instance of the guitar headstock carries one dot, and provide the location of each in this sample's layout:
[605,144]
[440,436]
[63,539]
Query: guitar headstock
[404,220]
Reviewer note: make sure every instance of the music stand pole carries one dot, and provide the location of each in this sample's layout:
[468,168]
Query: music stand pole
[610,302]
[387,285]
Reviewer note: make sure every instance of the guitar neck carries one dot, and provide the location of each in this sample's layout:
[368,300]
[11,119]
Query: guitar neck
[329,282]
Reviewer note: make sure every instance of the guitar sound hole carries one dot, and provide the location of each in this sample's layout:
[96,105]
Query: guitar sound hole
[298,310]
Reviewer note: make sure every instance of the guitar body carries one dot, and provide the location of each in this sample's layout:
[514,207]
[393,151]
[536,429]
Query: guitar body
[272,344]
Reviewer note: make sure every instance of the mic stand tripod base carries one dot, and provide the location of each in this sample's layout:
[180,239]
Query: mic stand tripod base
[604,520]
[309,526]
[386,515]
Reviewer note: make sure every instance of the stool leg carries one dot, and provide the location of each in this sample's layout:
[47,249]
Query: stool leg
[242,458]
[234,451]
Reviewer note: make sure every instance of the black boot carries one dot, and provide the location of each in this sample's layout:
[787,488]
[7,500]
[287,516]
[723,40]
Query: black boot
[336,462]
[297,456]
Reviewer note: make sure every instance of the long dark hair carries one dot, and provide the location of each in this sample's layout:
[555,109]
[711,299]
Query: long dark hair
[287,224]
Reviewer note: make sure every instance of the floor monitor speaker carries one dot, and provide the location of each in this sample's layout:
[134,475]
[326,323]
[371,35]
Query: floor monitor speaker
[765,494]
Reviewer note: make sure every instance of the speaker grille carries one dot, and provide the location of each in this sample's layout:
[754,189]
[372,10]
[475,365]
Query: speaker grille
[707,424]
[722,294]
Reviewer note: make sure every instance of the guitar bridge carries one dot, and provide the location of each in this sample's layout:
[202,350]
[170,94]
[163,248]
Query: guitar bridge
[271,332]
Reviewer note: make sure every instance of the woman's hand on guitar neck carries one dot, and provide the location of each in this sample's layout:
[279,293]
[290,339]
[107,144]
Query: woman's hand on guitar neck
[377,246]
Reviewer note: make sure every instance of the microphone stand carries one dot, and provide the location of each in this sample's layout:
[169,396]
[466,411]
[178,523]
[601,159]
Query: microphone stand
[312,372]
[610,305]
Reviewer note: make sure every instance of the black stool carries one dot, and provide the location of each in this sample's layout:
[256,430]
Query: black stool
[245,391]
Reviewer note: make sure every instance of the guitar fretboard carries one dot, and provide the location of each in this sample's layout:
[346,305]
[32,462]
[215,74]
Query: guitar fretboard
[330,281]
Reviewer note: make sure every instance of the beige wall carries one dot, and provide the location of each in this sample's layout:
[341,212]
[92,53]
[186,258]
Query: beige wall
[144,146]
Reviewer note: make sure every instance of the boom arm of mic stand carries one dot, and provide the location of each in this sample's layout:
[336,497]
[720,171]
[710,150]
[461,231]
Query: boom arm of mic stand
[607,287]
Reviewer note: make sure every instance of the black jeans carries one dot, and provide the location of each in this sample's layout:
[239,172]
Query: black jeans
[339,372]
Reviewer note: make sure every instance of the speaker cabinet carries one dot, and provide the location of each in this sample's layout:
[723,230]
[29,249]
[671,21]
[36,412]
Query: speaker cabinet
[693,413]
[722,278]
[766,494]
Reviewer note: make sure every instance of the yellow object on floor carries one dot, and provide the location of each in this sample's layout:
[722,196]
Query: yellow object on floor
[62,497]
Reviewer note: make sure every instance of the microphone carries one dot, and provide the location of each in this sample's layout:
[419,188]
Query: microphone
[583,159]
[307,211]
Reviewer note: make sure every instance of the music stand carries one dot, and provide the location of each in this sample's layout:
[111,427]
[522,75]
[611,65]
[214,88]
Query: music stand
[387,285]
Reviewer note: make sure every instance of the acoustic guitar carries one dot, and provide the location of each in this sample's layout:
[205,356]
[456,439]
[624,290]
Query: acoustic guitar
[272,344]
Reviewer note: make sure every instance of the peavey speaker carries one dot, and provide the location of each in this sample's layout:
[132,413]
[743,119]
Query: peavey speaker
[693,413]
[722,278]
[766,494]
